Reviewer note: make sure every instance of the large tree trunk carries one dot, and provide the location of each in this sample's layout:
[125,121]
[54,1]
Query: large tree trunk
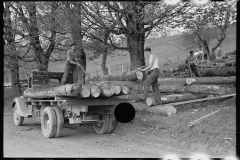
[11,55]
[104,59]
[105,52]
[127,76]
[222,72]
[76,32]
[211,80]
[136,38]
[34,33]
[174,98]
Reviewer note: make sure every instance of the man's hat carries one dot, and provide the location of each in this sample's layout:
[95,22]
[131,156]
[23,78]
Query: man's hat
[147,49]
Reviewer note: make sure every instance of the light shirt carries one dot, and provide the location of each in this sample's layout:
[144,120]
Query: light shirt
[71,55]
[153,58]
[191,59]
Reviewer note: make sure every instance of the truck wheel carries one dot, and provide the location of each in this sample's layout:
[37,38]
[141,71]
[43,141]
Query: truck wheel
[102,127]
[60,121]
[18,120]
[112,123]
[48,122]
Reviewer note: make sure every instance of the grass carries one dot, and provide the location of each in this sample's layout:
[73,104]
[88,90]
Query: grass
[164,47]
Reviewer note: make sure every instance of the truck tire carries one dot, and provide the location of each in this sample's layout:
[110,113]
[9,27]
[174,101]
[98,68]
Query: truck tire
[112,123]
[18,120]
[60,121]
[102,127]
[48,122]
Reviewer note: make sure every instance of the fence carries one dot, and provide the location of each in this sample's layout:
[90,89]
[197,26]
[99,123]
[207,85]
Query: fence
[118,69]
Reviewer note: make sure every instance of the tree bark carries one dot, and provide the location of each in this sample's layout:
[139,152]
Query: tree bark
[11,55]
[174,98]
[211,80]
[136,37]
[105,52]
[76,32]
[72,90]
[195,88]
[223,72]
[127,76]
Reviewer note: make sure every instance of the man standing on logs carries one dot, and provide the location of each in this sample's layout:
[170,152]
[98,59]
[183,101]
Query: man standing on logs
[152,78]
[192,61]
[71,65]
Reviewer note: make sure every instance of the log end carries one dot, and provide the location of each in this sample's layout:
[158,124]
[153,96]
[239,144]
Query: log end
[139,75]
[149,101]
[117,89]
[167,110]
[85,93]
[222,90]
[95,91]
[108,93]
[189,81]
[125,90]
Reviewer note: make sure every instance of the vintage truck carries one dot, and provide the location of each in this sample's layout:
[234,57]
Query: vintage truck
[59,110]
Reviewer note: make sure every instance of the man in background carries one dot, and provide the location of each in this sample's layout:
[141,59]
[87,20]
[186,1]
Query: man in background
[192,62]
[71,65]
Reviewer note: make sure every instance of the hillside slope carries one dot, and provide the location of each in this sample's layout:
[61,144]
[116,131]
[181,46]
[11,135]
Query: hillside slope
[164,47]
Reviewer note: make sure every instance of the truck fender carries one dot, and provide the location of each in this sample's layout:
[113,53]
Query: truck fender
[22,109]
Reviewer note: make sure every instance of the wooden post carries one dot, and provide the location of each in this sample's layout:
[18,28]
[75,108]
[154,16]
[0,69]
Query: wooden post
[122,68]
[178,57]
[127,68]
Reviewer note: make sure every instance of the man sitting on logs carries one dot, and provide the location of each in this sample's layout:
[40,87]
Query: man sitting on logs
[192,61]
[71,65]
[152,78]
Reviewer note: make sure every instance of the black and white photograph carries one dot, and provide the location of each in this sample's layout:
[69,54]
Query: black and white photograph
[120,79]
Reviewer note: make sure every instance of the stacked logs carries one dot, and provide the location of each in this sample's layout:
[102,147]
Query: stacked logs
[95,90]
[193,88]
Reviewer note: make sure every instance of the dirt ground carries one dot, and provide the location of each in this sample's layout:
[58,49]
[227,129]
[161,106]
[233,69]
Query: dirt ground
[147,136]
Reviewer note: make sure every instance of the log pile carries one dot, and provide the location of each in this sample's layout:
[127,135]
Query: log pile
[101,89]
[195,88]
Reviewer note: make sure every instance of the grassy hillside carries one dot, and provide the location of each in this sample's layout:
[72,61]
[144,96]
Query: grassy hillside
[164,47]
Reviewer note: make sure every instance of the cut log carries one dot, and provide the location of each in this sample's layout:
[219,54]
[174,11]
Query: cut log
[167,110]
[126,76]
[107,89]
[223,72]
[171,81]
[174,98]
[206,89]
[94,90]
[85,91]
[172,89]
[125,90]
[211,80]
[117,89]
[63,90]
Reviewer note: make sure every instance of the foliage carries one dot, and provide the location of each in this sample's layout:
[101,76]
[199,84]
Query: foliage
[207,22]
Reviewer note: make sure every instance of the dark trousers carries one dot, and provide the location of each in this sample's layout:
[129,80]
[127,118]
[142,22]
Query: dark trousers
[205,56]
[194,70]
[68,69]
[152,79]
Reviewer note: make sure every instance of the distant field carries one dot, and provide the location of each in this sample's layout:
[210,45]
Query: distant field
[165,47]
